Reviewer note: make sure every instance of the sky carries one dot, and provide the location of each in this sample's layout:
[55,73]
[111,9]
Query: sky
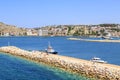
[38,13]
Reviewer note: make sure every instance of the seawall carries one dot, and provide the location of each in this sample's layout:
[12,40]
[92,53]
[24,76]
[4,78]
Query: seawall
[98,71]
[90,40]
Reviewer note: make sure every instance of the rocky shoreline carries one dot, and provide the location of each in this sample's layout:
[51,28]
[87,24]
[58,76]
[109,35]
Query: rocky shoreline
[97,71]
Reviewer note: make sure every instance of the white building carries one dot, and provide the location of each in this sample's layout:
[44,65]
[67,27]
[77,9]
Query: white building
[6,34]
[43,32]
[40,32]
[29,32]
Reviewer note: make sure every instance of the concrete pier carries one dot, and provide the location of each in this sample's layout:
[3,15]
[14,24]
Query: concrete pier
[98,71]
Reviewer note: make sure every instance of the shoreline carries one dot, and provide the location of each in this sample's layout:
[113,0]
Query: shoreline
[80,66]
[105,40]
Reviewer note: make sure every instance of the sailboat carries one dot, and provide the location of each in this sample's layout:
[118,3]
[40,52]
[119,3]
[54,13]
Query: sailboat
[50,49]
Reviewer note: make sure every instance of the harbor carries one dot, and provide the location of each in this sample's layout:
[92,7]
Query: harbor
[60,40]
[87,68]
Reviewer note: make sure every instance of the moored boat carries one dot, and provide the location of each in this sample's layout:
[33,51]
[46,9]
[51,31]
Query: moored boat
[107,35]
[50,49]
[96,59]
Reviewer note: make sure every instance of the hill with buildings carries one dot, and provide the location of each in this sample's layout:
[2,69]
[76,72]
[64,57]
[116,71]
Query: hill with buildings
[60,30]
[79,30]
[11,30]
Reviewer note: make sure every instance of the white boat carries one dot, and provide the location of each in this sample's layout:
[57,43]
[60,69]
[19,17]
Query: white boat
[107,36]
[50,49]
[96,59]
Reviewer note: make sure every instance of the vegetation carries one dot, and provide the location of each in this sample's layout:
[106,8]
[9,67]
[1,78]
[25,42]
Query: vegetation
[108,25]
[114,29]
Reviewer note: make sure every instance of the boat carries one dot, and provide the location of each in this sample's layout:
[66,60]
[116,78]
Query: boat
[50,49]
[107,35]
[96,59]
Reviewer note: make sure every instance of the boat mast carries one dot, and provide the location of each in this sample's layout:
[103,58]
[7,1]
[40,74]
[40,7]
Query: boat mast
[49,46]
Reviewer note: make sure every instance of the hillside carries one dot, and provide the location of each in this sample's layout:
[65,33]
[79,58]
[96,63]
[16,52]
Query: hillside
[6,30]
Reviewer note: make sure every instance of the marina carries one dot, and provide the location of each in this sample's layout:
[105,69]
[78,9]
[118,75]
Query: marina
[80,49]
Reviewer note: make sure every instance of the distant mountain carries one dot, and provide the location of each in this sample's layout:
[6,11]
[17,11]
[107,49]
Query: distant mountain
[12,30]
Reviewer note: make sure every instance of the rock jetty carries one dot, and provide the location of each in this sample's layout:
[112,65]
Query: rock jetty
[90,40]
[98,71]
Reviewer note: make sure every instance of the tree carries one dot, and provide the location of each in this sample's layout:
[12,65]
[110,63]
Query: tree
[102,31]
[108,25]
[76,33]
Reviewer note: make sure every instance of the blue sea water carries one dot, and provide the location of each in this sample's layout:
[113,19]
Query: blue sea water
[13,68]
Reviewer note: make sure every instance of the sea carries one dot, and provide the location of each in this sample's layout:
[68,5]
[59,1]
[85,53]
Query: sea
[16,68]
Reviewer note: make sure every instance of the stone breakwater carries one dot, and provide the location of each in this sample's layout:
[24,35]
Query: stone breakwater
[90,40]
[97,71]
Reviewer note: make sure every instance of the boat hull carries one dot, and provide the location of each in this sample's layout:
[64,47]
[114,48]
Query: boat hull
[53,52]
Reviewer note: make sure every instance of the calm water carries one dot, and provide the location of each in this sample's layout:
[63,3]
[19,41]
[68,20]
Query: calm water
[17,69]
[14,68]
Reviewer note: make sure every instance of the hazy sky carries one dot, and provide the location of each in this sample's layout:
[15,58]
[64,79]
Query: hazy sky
[36,13]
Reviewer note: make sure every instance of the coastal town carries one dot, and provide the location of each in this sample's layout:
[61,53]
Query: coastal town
[60,40]
[61,30]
